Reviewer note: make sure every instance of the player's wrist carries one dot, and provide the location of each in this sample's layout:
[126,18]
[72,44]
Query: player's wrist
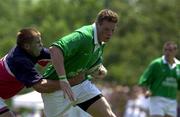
[63,78]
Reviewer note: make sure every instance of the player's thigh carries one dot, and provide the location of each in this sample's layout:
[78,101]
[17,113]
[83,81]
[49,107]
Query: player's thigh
[85,91]
[171,108]
[100,107]
[54,103]
[156,116]
[157,107]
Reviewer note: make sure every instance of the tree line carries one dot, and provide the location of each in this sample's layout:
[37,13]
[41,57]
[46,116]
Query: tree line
[143,28]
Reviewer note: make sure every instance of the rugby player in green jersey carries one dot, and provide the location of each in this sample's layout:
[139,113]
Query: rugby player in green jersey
[73,58]
[160,80]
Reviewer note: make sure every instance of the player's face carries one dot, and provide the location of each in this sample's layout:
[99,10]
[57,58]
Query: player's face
[170,51]
[36,46]
[105,30]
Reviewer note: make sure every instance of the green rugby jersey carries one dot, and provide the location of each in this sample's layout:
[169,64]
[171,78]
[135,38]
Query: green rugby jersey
[81,51]
[161,79]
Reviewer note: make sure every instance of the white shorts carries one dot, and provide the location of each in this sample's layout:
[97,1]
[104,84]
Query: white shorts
[3,106]
[163,106]
[54,103]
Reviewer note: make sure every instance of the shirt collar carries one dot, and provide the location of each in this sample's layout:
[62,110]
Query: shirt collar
[96,42]
[95,34]
[176,61]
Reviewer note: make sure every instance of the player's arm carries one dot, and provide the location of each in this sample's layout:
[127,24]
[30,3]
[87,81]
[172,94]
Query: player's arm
[46,86]
[147,93]
[26,73]
[58,63]
[147,78]
[98,71]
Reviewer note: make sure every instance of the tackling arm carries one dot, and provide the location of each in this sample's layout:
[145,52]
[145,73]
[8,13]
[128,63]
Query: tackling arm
[46,86]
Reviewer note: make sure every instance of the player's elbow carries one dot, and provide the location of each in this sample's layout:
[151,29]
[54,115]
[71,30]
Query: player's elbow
[54,50]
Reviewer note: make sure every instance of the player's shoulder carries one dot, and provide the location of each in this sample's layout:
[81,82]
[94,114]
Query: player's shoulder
[86,30]
[157,60]
[177,61]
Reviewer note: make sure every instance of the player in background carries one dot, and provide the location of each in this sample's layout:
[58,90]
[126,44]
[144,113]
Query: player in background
[161,80]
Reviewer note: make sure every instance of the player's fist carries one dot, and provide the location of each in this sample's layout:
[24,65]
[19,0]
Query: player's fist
[100,72]
[148,93]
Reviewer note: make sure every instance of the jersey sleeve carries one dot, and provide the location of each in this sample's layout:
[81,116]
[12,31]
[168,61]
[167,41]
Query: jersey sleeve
[178,75]
[26,72]
[146,78]
[70,44]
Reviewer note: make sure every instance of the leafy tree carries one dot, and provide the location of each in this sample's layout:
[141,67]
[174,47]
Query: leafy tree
[143,28]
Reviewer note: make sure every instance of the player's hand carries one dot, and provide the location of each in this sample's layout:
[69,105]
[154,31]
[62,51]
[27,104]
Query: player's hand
[148,94]
[66,88]
[100,73]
